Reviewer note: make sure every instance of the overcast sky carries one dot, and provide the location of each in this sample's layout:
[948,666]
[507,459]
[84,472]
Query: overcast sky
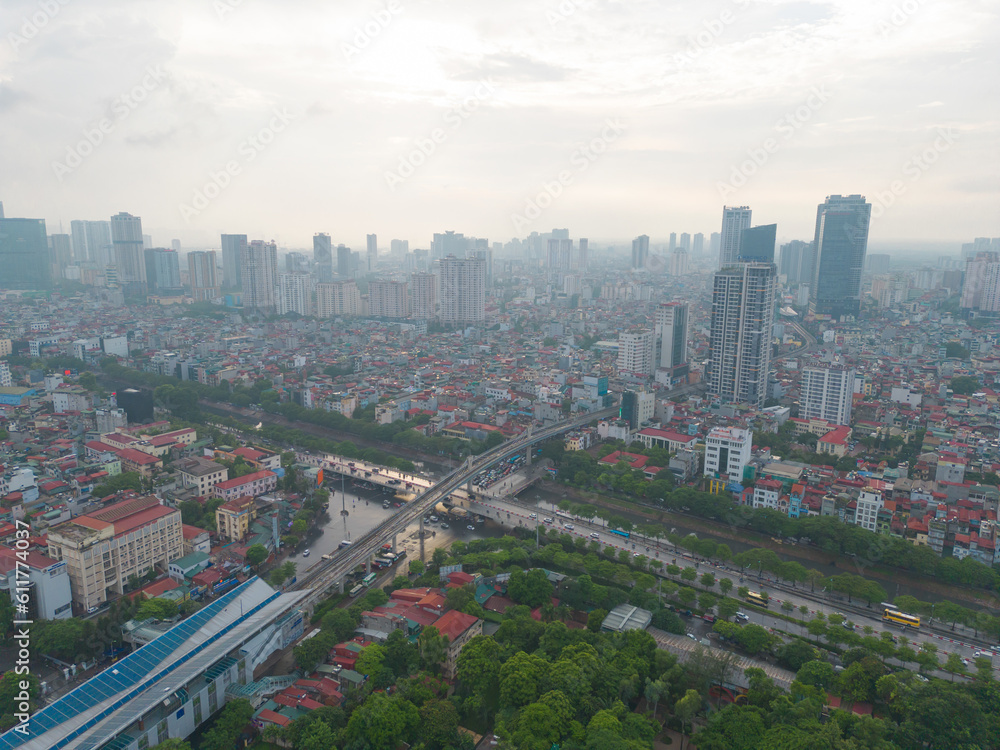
[611,118]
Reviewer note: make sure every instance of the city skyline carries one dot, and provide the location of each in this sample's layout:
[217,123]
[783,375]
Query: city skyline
[666,113]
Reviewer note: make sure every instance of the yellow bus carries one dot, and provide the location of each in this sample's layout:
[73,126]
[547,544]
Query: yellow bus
[900,618]
[753,597]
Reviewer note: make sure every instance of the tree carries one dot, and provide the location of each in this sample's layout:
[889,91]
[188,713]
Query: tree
[433,648]
[954,665]
[156,609]
[725,586]
[795,654]
[128,480]
[754,638]
[707,580]
[416,567]
[521,679]
[381,722]
[594,620]
[256,554]
[228,726]
[10,688]
[478,669]
[689,574]
[370,660]
[727,607]
[819,674]
[685,710]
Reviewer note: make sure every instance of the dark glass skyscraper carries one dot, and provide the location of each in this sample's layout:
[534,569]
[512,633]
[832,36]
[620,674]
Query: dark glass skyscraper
[840,244]
[24,254]
[234,247]
[757,244]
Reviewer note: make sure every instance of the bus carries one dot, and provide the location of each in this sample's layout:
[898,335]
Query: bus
[356,590]
[753,597]
[369,579]
[619,532]
[896,617]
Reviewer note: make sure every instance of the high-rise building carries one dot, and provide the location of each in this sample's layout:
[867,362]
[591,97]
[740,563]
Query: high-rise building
[698,244]
[672,334]
[582,254]
[91,242]
[560,255]
[742,321]
[424,295]
[163,271]
[679,262]
[345,262]
[877,263]
[462,291]
[260,275]
[295,293]
[640,252]
[323,256]
[981,286]
[757,244]
[297,263]
[796,262]
[24,255]
[685,240]
[388,299]
[371,242]
[841,241]
[129,259]
[175,245]
[734,220]
[60,251]
[147,241]
[827,393]
[728,451]
[715,244]
[203,275]
[673,241]
[234,248]
[638,407]
[399,247]
[636,354]
[449,243]
[338,298]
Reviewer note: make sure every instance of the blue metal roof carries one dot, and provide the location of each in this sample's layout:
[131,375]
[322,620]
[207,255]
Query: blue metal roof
[135,671]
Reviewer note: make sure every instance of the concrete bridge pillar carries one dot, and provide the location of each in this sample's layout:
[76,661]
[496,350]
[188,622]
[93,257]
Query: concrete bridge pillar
[421,535]
[368,565]
[394,550]
[340,585]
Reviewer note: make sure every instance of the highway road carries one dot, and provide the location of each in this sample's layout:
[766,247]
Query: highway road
[330,573]
[515,513]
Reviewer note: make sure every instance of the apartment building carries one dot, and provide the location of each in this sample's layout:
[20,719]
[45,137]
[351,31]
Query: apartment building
[104,549]
[253,485]
[233,518]
[201,473]
[727,451]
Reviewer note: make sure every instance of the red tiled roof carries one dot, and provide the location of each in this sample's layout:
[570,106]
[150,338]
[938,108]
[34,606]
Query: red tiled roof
[454,623]
[239,481]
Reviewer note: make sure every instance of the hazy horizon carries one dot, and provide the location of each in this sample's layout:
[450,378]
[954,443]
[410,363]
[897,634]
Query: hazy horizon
[409,117]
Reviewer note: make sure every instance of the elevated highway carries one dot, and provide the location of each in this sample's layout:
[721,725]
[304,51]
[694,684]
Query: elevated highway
[320,578]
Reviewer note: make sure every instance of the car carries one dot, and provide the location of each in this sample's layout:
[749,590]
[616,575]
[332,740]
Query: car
[708,617]
[568,526]
[532,515]
[594,535]
[692,636]
[326,557]
[470,527]
[434,519]
[636,554]
[742,616]
[445,526]
[966,662]
[92,610]
[980,653]
[547,520]
[306,552]
[848,625]
[921,678]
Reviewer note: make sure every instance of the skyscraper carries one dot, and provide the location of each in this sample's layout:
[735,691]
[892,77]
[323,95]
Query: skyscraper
[344,262]
[449,243]
[877,263]
[372,246]
[640,252]
[399,247]
[203,275]
[559,255]
[827,393]
[323,256]
[338,298]
[840,244]
[796,262]
[60,251]
[388,299]
[698,244]
[24,255]
[742,320]
[234,247]
[463,291]
[260,275]
[673,241]
[671,334]
[734,221]
[757,244]
[295,291]
[163,271]
[981,286]
[582,254]
[715,244]
[424,295]
[129,260]
[685,240]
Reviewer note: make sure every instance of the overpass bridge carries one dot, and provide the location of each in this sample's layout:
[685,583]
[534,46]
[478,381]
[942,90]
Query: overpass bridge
[320,578]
